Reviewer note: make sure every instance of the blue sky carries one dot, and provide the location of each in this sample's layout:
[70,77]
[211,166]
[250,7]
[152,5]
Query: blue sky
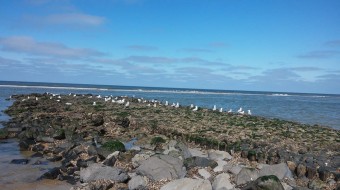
[270,45]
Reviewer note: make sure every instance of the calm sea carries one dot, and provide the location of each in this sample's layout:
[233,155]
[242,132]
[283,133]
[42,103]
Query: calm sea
[322,109]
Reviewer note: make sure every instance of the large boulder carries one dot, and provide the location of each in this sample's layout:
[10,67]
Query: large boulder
[279,170]
[188,184]
[246,175]
[162,167]
[265,183]
[222,182]
[99,171]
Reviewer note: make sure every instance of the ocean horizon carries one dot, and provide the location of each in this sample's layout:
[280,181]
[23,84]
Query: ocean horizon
[307,108]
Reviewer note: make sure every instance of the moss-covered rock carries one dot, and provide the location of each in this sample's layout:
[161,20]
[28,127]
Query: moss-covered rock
[114,145]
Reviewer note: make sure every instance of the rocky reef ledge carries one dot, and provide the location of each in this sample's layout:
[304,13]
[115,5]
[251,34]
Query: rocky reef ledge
[102,143]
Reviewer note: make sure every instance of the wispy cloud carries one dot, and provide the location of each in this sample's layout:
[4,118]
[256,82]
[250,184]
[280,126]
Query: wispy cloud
[27,45]
[279,74]
[64,19]
[7,62]
[141,48]
[324,54]
[197,50]
[305,69]
[333,43]
[151,59]
[218,45]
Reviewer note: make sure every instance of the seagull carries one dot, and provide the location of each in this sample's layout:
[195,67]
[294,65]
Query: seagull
[177,105]
[154,105]
[173,104]
[195,109]
[59,97]
[94,103]
[51,98]
[249,112]
[58,100]
[214,109]
[99,96]
[36,98]
[139,100]
[166,103]
[68,103]
[221,110]
[239,110]
[127,104]
[28,97]
[230,111]
[192,106]
[121,101]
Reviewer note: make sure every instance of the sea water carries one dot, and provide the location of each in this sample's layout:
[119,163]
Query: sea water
[321,109]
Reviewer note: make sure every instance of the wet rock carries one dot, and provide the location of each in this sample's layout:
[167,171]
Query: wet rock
[301,170]
[162,167]
[137,183]
[25,144]
[200,162]
[99,171]
[37,155]
[222,182]
[265,183]
[20,161]
[54,158]
[246,175]
[188,184]
[51,174]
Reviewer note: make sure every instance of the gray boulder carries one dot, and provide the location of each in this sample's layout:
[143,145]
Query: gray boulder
[265,183]
[162,167]
[188,184]
[222,182]
[279,170]
[200,162]
[246,175]
[137,182]
[219,155]
[99,171]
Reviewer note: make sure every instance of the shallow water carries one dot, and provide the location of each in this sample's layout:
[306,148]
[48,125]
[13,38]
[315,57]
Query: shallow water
[18,176]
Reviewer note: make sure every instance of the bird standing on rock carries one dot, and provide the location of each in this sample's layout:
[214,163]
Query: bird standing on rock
[127,104]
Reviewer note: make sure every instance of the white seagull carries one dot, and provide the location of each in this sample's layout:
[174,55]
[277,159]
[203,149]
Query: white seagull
[221,110]
[249,112]
[230,111]
[177,105]
[195,109]
[94,103]
[127,104]
[239,110]
[214,109]
[191,106]
[166,103]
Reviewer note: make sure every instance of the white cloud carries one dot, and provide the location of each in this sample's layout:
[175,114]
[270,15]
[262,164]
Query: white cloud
[74,19]
[27,45]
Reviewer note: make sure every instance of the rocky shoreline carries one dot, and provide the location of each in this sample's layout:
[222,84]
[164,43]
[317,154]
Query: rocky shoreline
[104,144]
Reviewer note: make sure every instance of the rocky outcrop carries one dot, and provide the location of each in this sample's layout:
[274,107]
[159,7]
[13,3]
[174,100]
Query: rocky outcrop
[98,171]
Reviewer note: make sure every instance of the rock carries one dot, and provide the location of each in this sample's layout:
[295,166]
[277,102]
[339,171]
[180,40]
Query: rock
[103,153]
[97,119]
[204,173]
[25,144]
[162,167]
[110,161]
[20,161]
[54,158]
[184,150]
[235,169]
[316,184]
[265,183]
[222,182]
[99,171]
[45,139]
[137,182]
[37,155]
[324,173]
[246,175]
[38,147]
[138,158]
[51,174]
[95,185]
[59,134]
[200,162]
[311,171]
[188,184]
[286,186]
[220,165]
[301,170]
[197,152]
[279,170]
[219,155]
[291,165]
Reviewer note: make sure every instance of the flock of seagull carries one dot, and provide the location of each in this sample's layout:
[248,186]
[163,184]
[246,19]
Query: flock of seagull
[121,100]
